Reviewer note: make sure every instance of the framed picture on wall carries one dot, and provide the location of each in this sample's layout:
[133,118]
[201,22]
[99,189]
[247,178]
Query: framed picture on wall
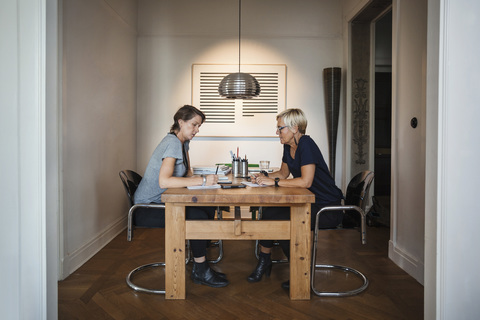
[239,118]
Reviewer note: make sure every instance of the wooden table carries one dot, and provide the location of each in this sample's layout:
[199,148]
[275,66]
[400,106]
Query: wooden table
[177,229]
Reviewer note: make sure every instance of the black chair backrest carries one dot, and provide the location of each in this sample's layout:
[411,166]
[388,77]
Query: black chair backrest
[358,188]
[130,180]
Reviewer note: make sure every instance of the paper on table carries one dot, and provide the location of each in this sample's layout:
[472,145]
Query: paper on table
[214,186]
[253,185]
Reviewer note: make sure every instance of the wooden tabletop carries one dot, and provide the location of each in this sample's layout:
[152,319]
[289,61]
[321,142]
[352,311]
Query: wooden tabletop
[268,195]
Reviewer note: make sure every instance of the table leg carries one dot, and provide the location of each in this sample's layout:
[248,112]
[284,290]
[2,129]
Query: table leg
[300,252]
[174,251]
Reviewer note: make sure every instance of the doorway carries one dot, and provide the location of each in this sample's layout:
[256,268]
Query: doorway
[380,211]
[371,110]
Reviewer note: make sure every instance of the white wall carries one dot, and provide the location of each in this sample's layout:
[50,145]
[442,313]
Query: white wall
[98,122]
[52,144]
[23,251]
[408,145]
[452,261]
[305,35]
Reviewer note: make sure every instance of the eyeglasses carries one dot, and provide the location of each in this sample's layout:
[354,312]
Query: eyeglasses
[279,129]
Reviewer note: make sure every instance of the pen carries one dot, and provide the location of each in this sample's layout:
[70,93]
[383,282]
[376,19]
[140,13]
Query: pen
[216,171]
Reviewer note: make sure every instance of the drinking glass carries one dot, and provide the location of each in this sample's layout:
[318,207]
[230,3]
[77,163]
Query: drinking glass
[264,165]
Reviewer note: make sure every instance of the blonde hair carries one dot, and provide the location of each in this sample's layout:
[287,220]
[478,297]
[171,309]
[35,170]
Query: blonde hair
[294,117]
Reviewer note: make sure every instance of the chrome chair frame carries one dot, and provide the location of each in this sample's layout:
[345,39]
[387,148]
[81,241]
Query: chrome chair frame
[133,207]
[142,268]
[366,177]
[316,266]
[218,243]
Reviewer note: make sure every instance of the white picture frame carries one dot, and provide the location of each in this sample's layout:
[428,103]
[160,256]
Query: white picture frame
[239,118]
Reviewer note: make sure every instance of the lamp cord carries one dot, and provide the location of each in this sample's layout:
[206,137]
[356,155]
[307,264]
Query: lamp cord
[239,30]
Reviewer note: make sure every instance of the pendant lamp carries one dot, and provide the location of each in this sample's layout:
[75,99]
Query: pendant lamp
[239,85]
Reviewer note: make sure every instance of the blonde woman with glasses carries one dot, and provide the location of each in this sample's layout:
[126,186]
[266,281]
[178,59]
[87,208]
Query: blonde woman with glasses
[304,161]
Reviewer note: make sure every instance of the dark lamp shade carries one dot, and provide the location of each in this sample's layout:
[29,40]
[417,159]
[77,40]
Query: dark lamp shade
[239,86]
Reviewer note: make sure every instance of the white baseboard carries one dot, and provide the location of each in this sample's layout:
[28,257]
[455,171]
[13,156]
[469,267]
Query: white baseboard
[409,264]
[77,258]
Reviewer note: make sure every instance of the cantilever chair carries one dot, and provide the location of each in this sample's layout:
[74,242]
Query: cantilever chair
[355,200]
[148,215]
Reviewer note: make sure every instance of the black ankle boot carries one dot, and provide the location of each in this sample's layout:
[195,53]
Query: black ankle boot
[220,274]
[202,274]
[264,266]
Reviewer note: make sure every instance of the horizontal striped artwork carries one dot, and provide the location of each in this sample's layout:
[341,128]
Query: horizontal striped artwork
[250,117]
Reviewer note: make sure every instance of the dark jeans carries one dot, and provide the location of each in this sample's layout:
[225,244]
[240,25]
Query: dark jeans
[199,247]
[329,219]
[155,218]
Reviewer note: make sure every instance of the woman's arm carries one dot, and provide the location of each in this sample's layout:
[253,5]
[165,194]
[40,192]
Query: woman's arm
[304,181]
[189,169]
[167,180]
[283,173]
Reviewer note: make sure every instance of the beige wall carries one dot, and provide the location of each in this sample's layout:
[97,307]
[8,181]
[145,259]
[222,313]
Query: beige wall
[408,144]
[98,122]
[304,35]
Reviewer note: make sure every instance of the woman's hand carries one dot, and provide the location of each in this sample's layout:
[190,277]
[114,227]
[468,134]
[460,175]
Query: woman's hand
[254,177]
[263,180]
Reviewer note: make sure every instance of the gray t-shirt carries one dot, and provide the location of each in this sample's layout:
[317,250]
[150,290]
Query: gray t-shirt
[149,189]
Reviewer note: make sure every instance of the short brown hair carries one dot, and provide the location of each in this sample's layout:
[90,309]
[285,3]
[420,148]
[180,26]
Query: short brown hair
[185,113]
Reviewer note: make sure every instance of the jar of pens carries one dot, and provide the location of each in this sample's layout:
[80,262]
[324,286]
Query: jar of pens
[239,166]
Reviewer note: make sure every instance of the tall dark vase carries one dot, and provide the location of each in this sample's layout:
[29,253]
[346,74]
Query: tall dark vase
[332,78]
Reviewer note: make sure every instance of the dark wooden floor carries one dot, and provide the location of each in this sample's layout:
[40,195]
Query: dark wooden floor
[97,290]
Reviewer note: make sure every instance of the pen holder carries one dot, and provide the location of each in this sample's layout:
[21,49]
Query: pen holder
[236,168]
[244,168]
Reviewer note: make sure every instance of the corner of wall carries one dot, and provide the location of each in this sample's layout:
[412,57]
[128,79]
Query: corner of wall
[409,264]
[77,258]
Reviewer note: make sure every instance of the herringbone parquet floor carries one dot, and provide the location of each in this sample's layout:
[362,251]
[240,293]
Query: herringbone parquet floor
[97,290]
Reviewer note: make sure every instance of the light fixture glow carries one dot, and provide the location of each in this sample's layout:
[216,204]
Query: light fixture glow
[239,85]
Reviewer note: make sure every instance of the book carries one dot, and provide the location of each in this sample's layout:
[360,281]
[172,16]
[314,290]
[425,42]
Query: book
[222,170]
